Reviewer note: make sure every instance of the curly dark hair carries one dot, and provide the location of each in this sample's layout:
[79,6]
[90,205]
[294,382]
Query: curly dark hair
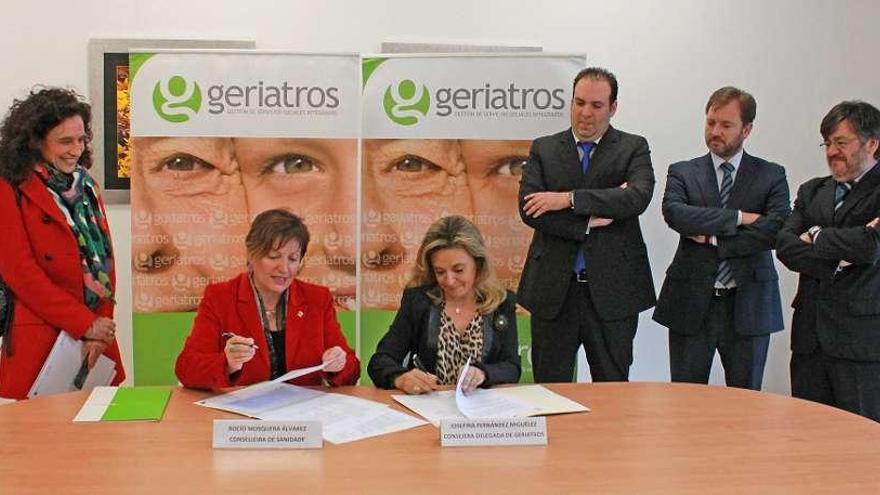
[27,123]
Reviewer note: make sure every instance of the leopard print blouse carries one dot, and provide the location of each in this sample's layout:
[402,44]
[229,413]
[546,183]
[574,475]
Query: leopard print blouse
[454,348]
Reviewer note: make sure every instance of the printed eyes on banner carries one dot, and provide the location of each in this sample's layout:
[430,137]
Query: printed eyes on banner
[413,164]
[508,166]
[291,163]
[183,162]
[186,174]
[411,175]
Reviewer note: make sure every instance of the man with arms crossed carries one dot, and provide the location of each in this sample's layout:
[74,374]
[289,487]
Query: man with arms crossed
[587,275]
[722,290]
[831,240]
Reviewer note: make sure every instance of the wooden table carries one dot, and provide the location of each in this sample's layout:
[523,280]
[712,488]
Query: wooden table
[640,438]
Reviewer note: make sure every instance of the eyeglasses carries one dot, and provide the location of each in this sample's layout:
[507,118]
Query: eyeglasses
[839,143]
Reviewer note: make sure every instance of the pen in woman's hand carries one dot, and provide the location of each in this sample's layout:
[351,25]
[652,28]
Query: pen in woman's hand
[421,367]
[228,335]
[418,363]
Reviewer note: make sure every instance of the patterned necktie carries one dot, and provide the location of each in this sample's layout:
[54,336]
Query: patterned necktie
[580,263]
[840,193]
[724,275]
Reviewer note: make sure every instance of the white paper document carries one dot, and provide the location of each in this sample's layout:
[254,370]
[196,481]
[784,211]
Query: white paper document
[546,400]
[343,418]
[505,402]
[434,407]
[96,405]
[260,399]
[485,403]
[62,366]
[290,375]
[377,422]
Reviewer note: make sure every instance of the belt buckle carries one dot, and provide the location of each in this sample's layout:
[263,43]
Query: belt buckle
[581,276]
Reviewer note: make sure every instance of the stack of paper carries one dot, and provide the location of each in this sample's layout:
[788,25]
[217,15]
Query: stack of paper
[125,404]
[507,402]
[343,418]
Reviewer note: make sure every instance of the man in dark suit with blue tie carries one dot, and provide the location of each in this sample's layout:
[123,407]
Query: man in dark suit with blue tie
[722,290]
[831,240]
[587,276]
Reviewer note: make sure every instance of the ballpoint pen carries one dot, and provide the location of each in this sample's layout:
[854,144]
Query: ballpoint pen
[418,363]
[227,335]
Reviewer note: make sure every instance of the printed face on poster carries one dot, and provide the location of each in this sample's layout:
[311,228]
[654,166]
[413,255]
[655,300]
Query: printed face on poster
[449,135]
[109,92]
[212,151]
[219,137]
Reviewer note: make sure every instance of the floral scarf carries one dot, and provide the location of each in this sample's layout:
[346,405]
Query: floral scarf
[77,197]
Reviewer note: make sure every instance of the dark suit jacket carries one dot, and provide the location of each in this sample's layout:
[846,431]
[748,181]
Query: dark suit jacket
[692,206]
[839,311]
[416,329]
[620,281]
[230,307]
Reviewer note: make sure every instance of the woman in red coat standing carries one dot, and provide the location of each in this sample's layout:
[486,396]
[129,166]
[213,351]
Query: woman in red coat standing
[57,257]
[265,322]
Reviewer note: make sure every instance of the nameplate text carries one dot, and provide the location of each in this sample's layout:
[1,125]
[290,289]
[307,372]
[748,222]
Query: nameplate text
[486,432]
[255,434]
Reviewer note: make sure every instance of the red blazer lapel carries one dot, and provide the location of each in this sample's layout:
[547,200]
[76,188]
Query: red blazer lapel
[297,308]
[250,318]
[37,193]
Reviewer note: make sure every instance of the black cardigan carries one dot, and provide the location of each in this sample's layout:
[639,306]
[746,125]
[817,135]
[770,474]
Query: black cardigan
[416,329]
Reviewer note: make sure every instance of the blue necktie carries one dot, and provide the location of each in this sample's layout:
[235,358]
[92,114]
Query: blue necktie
[580,263]
[725,273]
[840,193]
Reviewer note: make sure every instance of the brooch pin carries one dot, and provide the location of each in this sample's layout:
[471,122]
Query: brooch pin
[501,322]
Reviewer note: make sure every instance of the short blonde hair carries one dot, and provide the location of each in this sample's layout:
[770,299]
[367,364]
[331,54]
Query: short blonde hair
[458,232]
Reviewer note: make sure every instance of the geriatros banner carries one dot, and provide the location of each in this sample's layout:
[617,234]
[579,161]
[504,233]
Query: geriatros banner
[218,137]
[442,135]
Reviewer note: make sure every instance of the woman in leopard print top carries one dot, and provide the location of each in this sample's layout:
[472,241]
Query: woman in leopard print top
[453,309]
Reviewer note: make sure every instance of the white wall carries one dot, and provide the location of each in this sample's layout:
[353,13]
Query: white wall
[798,58]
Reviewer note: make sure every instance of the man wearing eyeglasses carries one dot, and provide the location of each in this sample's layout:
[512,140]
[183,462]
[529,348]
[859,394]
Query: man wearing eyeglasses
[831,240]
[722,291]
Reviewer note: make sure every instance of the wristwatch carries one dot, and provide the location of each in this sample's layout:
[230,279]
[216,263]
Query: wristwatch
[571,199]
[814,231]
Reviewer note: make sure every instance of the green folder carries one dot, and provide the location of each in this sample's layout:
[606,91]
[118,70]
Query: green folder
[138,404]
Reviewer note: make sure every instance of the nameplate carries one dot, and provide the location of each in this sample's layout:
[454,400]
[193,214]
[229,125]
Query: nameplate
[255,434]
[487,432]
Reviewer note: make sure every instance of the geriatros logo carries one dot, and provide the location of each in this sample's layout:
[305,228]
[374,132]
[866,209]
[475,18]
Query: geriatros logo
[176,99]
[406,102]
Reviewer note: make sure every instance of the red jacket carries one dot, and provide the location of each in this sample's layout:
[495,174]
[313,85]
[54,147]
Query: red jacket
[40,262]
[230,307]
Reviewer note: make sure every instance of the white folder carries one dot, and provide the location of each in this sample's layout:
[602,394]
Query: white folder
[62,365]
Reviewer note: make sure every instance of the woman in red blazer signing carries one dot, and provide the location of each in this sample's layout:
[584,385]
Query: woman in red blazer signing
[265,322]
[57,258]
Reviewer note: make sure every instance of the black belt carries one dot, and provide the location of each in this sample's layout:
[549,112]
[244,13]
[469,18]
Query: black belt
[580,276]
[722,293]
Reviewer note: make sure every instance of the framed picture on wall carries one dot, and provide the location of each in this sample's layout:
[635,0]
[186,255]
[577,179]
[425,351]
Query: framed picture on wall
[109,95]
